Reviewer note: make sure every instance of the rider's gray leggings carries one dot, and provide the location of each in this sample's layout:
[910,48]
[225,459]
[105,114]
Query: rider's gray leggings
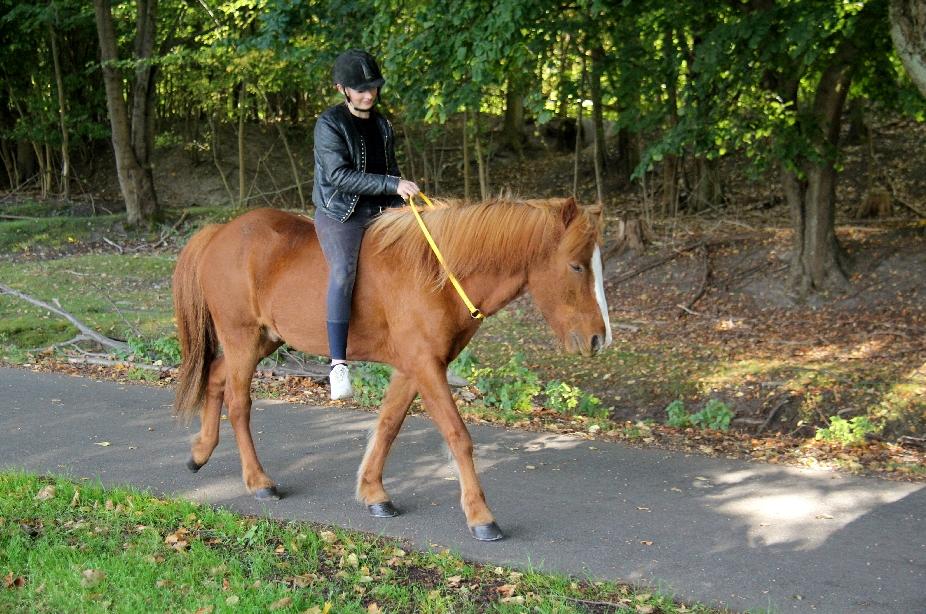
[340,243]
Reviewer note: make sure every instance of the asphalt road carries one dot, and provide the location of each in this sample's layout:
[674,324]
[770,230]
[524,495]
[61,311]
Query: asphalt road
[725,532]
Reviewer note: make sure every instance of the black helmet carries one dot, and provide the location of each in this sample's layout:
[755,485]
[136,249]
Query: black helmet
[357,70]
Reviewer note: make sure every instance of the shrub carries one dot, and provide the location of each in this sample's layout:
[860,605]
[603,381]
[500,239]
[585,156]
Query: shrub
[465,363]
[715,415]
[847,432]
[370,380]
[678,417]
[165,349]
[572,400]
[510,387]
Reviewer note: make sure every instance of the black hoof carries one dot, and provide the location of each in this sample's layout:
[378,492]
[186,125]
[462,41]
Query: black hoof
[267,494]
[487,532]
[383,510]
[193,466]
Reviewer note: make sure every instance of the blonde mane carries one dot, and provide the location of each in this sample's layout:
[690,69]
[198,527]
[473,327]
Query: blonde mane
[501,235]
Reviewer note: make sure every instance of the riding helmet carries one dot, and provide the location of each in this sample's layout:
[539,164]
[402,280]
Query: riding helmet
[357,70]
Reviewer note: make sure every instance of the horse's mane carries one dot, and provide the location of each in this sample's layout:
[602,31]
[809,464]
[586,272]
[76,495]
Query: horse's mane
[499,235]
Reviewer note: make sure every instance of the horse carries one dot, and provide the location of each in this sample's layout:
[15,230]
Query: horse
[243,288]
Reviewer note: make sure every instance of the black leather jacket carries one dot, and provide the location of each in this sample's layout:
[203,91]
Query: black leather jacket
[340,164]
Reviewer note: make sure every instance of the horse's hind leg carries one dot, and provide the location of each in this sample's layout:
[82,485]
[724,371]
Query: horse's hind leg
[432,384]
[370,489]
[242,353]
[208,437]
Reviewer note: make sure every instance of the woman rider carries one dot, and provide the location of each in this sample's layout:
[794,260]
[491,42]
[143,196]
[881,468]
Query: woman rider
[356,178]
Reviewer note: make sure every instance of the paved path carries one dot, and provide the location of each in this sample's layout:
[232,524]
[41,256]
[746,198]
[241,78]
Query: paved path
[744,535]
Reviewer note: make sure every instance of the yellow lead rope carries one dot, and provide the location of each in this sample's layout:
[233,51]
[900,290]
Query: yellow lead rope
[473,310]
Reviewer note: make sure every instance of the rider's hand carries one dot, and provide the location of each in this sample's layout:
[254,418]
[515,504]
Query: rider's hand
[407,189]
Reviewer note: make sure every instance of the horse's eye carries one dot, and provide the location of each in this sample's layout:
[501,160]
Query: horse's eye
[577,268]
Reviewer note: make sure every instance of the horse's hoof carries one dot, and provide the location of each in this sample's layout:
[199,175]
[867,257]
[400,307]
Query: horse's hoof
[193,466]
[269,493]
[487,532]
[383,510]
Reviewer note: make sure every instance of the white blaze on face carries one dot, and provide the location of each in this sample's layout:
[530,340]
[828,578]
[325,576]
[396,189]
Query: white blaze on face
[597,270]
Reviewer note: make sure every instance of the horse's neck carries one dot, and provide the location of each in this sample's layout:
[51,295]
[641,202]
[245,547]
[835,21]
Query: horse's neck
[490,292]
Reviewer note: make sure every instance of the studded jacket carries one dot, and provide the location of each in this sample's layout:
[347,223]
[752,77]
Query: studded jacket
[340,164]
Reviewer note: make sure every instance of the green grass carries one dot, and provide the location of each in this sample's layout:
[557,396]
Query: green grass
[117,295]
[89,549]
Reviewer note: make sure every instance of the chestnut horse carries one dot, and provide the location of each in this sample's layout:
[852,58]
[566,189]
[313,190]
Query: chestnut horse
[258,281]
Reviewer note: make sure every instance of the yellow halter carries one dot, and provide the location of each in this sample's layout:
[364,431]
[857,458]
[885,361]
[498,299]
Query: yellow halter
[473,310]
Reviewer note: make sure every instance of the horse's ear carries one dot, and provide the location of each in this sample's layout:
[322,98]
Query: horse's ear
[570,211]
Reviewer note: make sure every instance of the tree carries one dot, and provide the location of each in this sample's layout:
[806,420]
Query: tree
[132,138]
[908,31]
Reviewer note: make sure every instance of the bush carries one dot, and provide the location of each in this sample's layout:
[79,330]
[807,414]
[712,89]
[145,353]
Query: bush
[165,349]
[847,432]
[678,417]
[510,387]
[715,415]
[370,381]
[571,400]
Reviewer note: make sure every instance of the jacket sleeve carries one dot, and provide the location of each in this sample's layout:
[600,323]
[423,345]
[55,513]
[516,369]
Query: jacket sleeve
[332,153]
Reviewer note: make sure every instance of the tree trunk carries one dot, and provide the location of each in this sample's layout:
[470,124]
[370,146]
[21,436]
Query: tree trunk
[908,31]
[466,182]
[670,161]
[817,259]
[708,190]
[514,116]
[598,118]
[242,179]
[131,142]
[62,112]
[480,160]
[575,165]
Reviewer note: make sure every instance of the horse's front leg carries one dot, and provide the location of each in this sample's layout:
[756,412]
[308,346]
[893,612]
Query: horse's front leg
[432,384]
[370,489]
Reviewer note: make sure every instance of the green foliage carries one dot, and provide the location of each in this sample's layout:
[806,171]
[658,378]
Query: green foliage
[165,349]
[370,381]
[571,400]
[678,417]
[465,363]
[509,387]
[716,415]
[847,432]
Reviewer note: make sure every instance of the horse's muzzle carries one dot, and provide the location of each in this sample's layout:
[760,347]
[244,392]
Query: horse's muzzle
[577,345]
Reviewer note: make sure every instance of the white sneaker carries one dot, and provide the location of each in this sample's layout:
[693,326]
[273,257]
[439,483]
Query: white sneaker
[340,382]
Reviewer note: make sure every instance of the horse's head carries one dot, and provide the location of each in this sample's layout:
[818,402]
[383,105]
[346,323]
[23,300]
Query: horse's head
[568,284]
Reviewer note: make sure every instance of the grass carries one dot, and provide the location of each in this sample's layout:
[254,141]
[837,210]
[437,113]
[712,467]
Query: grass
[79,547]
[117,295]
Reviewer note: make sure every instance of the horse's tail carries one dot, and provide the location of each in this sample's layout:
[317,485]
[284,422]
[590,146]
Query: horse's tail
[198,343]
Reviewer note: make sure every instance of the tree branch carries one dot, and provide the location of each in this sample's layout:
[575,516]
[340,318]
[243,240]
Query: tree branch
[119,346]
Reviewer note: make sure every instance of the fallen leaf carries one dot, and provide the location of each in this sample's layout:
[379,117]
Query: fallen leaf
[92,577]
[47,492]
[646,542]
[506,590]
[11,581]
[282,603]
[645,609]
[232,600]
[373,608]
[206,609]
[328,537]
[102,444]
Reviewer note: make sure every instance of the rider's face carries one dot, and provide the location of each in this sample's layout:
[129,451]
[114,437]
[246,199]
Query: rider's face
[360,100]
